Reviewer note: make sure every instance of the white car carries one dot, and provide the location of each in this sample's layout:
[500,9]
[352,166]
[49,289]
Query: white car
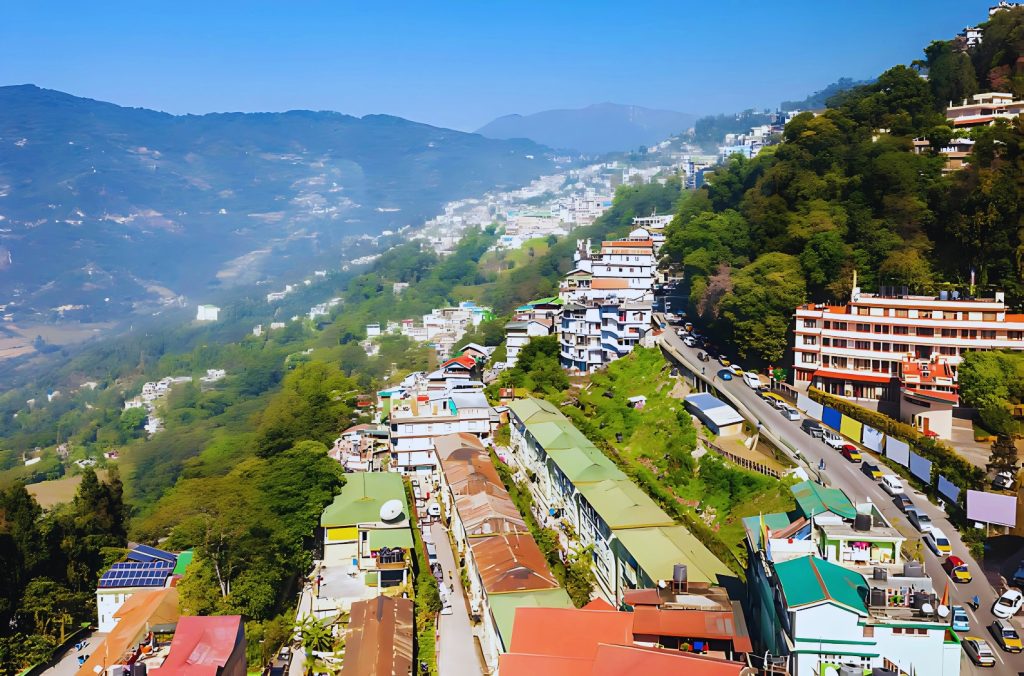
[892,485]
[789,413]
[833,440]
[1007,605]
[690,341]
[938,542]
[752,381]
[919,520]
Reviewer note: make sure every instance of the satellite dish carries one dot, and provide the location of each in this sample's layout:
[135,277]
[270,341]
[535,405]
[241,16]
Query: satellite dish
[927,608]
[943,611]
[391,510]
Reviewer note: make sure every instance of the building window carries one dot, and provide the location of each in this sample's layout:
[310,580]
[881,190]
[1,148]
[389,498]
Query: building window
[864,328]
[901,330]
[862,345]
[863,310]
[988,316]
[949,333]
[925,331]
[811,323]
[1015,335]
[902,313]
[988,334]
[897,630]
[869,632]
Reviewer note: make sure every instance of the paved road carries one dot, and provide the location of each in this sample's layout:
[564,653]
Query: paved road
[846,475]
[456,650]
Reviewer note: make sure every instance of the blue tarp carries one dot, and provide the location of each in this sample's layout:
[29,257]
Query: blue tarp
[897,451]
[948,489]
[921,467]
[832,418]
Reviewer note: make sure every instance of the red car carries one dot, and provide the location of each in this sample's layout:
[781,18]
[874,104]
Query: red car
[851,453]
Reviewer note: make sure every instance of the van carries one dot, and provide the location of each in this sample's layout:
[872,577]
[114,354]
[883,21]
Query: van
[919,520]
[812,427]
[892,484]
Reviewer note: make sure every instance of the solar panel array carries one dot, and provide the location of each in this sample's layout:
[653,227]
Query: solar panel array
[136,574]
[144,553]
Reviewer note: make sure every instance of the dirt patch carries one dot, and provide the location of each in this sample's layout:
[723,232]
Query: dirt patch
[58,491]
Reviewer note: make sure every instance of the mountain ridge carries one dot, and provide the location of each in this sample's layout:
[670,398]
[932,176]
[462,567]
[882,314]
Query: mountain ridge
[595,129]
[101,203]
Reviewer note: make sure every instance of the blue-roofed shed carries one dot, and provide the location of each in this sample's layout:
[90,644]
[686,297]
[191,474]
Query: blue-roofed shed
[716,415]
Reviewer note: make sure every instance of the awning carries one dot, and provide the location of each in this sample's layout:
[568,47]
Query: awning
[391,537]
[860,377]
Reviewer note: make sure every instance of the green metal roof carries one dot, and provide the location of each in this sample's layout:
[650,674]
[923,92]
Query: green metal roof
[815,499]
[535,410]
[622,504]
[503,607]
[809,580]
[550,300]
[391,537]
[657,550]
[586,465]
[184,559]
[361,498]
[553,434]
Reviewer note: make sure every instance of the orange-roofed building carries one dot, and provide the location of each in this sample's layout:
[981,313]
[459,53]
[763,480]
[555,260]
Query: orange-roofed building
[582,642]
[143,612]
[900,350]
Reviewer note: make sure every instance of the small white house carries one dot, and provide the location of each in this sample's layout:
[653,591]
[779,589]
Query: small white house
[207,313]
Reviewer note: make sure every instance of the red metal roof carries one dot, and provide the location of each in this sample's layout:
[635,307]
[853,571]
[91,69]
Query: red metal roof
[615,660]
[568,632]
[598,604]
[694,624]
[462,360]
[202,645]
[642,597]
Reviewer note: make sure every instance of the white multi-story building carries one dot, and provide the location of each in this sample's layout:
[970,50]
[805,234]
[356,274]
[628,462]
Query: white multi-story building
[608,297]
[880,342]
[984,109]
[416,414]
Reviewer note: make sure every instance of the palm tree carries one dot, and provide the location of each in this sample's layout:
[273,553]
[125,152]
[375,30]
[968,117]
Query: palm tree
[317,636]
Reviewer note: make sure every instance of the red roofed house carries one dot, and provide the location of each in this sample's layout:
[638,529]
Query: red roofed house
[598,642]
[206,646]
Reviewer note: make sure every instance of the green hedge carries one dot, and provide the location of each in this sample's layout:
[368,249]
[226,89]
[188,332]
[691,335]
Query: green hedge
[427,597]
[945,460]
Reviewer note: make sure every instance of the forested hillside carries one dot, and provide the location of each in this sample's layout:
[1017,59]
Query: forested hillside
[240,473]
[845,192]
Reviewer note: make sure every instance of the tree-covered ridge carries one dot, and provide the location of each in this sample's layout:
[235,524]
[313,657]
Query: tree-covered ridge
[845,192]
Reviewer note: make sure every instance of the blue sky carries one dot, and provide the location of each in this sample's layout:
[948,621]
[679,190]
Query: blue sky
[460,64]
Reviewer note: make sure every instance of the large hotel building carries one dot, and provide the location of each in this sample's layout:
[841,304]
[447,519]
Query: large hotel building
[891,346]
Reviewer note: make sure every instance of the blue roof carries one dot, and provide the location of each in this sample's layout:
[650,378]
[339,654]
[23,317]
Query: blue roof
[714,409]
[145,553]
[136,574]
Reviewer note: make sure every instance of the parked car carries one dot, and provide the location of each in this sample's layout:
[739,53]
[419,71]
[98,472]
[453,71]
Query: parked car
[957,569]
[833,440]
[851,453]
[1003,481]
[902,501]
[812,427]
[1006,636]
[690,341]
[871,470]
[1008,605]
[979,651]
[736,370]
[892,485]
[752,380]
[789,413]
[937,542]
[1017,579]
[725,374]
[702,356]
[919,520]
[723,360]
[959,620]
[772,398]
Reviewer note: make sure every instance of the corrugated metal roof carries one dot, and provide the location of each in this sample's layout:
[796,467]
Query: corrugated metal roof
[809,580]
[511,562]
[379,638]
[622,504]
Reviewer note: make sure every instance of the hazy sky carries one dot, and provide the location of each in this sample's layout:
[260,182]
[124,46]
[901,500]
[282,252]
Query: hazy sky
[460,64]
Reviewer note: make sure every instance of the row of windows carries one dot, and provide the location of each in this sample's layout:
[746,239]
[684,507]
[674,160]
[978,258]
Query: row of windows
[904,313]
[921,331]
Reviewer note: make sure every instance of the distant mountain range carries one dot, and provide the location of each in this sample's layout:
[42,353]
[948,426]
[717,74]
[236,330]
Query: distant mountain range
[600,128]
[109,208]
